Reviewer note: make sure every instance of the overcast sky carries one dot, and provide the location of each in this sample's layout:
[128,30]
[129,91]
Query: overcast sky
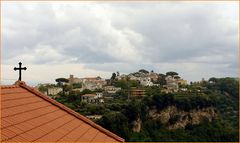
[195,39]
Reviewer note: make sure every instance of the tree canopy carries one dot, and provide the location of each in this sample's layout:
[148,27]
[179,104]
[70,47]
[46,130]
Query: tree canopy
[143,71]
[62,80]
[171,73]
[113,76]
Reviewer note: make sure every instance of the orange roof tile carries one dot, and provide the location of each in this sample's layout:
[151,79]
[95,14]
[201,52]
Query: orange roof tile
[28,115]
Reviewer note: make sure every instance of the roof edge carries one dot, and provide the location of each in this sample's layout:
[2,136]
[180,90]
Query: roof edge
[72,112]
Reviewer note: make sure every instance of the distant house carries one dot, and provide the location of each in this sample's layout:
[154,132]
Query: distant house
[122,77]
[111,89]
[90,83]
[53,90]
[99,95]
[73,80]
[93,98]
[132,77]
[181,82]
[153,76]
[172,84]
[49,89]
[94,117]
[137,92]
[145,81]
[183,89]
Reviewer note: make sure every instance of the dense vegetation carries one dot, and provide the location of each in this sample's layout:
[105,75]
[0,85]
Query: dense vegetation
[118,114]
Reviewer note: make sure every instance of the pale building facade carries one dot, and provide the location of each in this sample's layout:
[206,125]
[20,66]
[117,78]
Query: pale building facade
[111,89]
[54,90]
[93,98]
[90,83]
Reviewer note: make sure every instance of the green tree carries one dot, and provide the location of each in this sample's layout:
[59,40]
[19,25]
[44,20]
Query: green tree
[86,91]
[77,85]
[113,76]
[229,85]
[143,71]
[121,94]
[112,79]
[177,77]
[118,74]
[161,79]
[171,73]
[60,82]
[140,137]
[133,110]
[212,79]
[117,123]
[121,83]
[162,100]
[216,131]
[152,90]
[42,88]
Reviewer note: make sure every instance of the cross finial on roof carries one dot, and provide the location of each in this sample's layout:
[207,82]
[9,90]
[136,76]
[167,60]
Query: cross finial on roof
[20,70]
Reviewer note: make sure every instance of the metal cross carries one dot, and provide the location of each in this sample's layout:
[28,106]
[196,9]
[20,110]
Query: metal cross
[20,70]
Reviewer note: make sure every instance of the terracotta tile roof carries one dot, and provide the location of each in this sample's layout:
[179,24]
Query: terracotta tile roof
[28,115]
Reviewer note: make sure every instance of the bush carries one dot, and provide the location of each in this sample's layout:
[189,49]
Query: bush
[117,123]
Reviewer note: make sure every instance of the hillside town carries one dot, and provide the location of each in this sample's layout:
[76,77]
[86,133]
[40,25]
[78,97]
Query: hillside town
[138,104]
[105,88]
[118,72]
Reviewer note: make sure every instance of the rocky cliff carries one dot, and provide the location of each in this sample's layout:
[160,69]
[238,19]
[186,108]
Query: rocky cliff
[174,118]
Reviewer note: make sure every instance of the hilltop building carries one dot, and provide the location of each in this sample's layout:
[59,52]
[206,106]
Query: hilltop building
[153,76]
[73,80]
[121,77]
[53,90]
[90,83]
[137,92]
[111,89]
[49,89]
[145,79]
[173,83]
[93,98]
[181,82]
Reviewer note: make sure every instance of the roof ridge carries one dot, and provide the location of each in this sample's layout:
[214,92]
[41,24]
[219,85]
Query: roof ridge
[70,111]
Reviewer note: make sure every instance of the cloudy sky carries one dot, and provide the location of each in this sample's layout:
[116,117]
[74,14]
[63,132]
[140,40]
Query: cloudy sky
[195,39]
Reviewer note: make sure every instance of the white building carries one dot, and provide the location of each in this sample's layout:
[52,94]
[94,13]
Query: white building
[93,98]
[99,95]
[145,81]
[73,80]
[111,89]
[54,90]
[132,77]
[121,77]
[172,84]
[153,76]
[90,83]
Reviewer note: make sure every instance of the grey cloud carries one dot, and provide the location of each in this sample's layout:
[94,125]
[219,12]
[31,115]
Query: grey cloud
[186,33]
[117,36]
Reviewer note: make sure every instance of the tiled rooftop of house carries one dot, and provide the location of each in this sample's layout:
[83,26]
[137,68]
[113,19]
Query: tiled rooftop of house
[28,115]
